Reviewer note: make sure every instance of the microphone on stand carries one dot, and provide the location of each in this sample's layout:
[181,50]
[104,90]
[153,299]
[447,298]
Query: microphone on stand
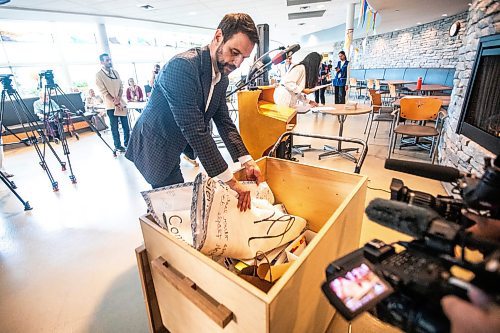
[286,53]
[261,65]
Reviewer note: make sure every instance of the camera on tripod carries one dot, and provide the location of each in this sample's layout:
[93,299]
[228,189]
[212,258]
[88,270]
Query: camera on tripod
[6,81]
[404,287]
[49,78]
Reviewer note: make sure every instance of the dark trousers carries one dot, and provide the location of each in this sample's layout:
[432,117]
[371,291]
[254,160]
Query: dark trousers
[339,94]
[319,95]
[113,120]
[175,177]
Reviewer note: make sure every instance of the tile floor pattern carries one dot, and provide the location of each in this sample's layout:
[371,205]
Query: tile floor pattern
[69,264]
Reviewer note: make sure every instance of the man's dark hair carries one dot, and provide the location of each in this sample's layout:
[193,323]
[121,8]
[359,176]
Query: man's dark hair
[311,62]
[101,57]
[342,52]
[232,24]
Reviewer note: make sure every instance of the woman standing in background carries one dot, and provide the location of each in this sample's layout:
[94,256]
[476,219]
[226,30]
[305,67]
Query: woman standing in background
[298,82]
[340,80]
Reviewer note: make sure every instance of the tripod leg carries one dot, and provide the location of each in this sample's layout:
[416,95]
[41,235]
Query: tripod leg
[81,113]
[96,131]
[64,143]
[43,163]
[12,188]
[30,127]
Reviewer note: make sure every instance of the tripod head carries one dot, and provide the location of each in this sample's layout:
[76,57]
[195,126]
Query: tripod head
[49,78]
[7,82]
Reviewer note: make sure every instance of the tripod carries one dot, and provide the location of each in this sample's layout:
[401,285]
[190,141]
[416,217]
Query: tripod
[56,117]
[12,187]
[31,129]
[52,87]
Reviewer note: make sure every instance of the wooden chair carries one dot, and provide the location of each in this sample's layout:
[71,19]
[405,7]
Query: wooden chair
[378,113]
[418,109]
[370,83]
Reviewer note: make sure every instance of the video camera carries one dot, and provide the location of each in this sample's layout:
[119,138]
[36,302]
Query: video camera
[49,78]
[481,195]
[402,283]
[6,81]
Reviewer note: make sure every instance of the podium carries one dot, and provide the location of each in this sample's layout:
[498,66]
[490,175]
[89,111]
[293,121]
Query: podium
[261,121]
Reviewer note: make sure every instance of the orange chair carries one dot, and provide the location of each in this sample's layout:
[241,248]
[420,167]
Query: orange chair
[418,109]
[378,113]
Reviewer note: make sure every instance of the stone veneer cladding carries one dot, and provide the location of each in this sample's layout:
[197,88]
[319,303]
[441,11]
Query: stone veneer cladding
[429,45]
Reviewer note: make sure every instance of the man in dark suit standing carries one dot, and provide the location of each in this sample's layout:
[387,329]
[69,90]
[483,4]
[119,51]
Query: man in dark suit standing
[190,91]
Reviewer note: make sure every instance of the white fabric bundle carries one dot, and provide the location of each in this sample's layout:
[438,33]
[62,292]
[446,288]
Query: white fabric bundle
[204,214]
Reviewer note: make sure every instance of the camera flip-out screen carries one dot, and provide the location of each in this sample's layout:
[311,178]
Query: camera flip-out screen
[356,289]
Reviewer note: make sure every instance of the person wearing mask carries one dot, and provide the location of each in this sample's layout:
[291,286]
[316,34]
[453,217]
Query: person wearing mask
[111,88]
[340,79]
[190,92]
[298,82]
[134,92]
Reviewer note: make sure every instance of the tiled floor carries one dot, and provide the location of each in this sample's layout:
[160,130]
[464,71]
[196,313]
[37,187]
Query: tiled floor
[69,264]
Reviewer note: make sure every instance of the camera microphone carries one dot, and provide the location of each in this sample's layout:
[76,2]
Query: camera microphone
[422,223]
[431,171]
[410,220]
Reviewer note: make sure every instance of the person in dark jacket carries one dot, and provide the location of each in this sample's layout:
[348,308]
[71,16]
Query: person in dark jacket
[189,92]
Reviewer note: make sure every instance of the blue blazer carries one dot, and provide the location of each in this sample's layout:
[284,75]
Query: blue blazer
[341,76]
[175,116]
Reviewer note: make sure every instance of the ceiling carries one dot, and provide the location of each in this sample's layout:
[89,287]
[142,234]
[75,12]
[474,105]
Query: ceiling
[202,16]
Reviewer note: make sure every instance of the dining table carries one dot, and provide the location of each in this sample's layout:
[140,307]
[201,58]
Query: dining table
[342,111]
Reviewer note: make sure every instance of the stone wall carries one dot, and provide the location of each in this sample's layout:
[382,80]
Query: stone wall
[457,150]
[426,45]
[429,45]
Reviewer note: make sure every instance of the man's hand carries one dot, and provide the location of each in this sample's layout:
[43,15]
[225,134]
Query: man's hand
[346,88]
[307,91]
[243,194]
[252,171]
[472,317]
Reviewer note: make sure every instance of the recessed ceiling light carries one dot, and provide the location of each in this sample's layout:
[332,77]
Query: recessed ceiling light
[444,15]
[145,7]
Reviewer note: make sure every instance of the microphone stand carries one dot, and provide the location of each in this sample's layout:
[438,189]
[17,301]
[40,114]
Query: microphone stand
[240,85]
[255,76]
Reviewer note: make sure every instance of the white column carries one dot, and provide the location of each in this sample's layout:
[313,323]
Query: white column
[349,29]
[102,35]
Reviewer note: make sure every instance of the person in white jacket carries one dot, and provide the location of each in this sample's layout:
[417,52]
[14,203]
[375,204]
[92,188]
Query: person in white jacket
[298,82]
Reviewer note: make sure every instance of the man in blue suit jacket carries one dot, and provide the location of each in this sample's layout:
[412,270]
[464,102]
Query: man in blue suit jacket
[190,91]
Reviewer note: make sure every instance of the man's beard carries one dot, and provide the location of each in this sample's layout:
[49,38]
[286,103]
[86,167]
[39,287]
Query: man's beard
[223,67]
